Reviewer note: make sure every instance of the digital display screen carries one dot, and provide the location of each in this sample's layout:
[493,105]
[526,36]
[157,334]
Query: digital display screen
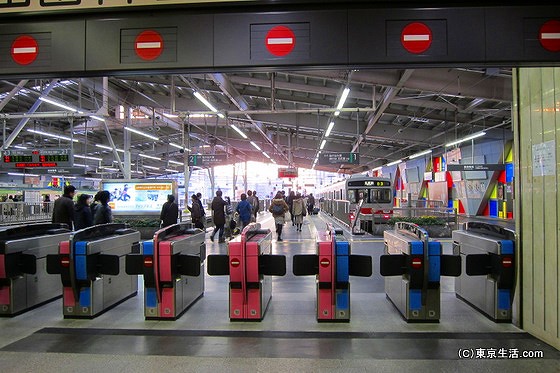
[36,158]
[135,197]
[54,158]
[18,158]
[376,183]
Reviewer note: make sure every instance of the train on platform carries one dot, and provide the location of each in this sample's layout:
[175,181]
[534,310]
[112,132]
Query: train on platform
[368,199]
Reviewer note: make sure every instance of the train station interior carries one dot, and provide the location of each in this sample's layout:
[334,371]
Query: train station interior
[430,242]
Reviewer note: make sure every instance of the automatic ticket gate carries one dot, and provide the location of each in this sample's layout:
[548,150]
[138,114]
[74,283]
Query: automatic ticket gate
[488,278]
[249,265]
[173,269]
[91,266]
[24,282]
[412,266]
[332,265]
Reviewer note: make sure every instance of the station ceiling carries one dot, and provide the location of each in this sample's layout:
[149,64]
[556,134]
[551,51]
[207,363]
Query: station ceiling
[389,115]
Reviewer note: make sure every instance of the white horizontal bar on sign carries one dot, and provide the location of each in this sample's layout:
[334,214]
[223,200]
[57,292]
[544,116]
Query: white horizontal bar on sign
[148,45]
[280,41]
[24,50]
[425,37]
[550,35]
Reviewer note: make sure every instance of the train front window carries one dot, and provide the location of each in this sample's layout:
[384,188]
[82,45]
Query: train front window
[355,195]
[381,196]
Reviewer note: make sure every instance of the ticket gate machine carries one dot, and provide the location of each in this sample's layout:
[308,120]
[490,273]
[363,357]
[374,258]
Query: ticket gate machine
[173,269]
[91,266]
[488,278]
[412,266]
[24,282]
[332,265]
[249,265]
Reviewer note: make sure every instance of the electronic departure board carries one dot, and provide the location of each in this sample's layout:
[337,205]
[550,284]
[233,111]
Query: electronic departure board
[37,158]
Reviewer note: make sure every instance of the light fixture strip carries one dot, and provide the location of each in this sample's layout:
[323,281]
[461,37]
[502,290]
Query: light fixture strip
[323,144]
[52,135]
[329,129]
[420,154]
[343,98]
[56,103]
[394,163]
[150,157]
[87,157]
[177,163]
[239,131]
[256,146]
[108,148]
[141,133]
[206,103]
[471,137]
[176,145]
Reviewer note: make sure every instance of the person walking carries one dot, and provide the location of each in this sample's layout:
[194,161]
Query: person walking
[219,217]
[278,208]
[83,217]
[103,213]
[169,212]
[196,213]
[298,211]
[290,202]
[63,210]
[310,203]
[202,209]
[256,206]
[244,210]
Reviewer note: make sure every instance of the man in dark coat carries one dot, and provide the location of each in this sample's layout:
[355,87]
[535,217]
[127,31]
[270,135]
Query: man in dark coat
[63,210]
[169,212]
[218,216]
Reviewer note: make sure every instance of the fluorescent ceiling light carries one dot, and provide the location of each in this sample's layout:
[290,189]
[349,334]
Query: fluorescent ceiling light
[80,165]
[169,170]
[471,137]
[329,129]
[323,144]
[108,168]
[377,168]
[150,157]
[256,146]
[151,167]
[87,157]
[20,147]
[337,113]
[20,174]
[96,117]
[239,131]
[207,103]
[394,163]
[108,148]
[56,103]
[176,145]
[429,151]
[266,155]
[343,98]
[53,135]
[93,178]
[177,163]
[170,115]
[141,133]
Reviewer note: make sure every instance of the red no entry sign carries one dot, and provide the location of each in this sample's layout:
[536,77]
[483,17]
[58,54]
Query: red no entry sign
[148,45]
[24,50]
[280,40]
[549,35]
[416,37]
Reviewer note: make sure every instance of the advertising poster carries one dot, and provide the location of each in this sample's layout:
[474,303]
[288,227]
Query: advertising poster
[138,197]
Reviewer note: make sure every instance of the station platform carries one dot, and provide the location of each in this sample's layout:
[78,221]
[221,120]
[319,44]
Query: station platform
[288,339]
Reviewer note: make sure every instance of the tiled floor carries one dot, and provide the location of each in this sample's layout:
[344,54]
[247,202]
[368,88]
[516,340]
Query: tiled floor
[288,339]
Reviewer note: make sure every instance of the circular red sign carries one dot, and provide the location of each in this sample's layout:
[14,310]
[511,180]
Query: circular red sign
[148,45]
[325,262]
[549,35]
[280,41]
[24,50]
[148,262]
[507,262]
[416,263]
[235,262]
[416,37]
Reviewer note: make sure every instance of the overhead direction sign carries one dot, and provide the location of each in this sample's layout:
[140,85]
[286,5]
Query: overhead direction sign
[287,172]
[201,160]
[416,37]
[476,167]
[280,40]
[549,35]
[148,45]
[339,158]
[37,158]
[24,50]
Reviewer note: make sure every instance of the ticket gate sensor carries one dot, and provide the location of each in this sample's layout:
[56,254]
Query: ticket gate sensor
[24,282]
[173,269]
[412,267]
[488,279]
[332,265]
[91,265]
[249,265]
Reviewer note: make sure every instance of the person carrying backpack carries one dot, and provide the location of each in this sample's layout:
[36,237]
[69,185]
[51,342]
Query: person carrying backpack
[278,208]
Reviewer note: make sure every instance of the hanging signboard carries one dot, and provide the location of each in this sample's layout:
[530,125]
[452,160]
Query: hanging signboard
[202,160]
[287,172]
[339,158]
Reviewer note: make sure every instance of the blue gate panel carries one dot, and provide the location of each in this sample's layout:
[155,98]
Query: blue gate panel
[507,247]
[342,248]
[342,300]
[434,268]
[415,299]
[151,297]
[80,248]
[504,299]
[148,247]
[342,270]
[416,248]
[85,297]
[80,262]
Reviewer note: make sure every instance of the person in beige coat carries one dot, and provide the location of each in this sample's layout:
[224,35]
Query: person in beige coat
[278,208]
[299,211]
